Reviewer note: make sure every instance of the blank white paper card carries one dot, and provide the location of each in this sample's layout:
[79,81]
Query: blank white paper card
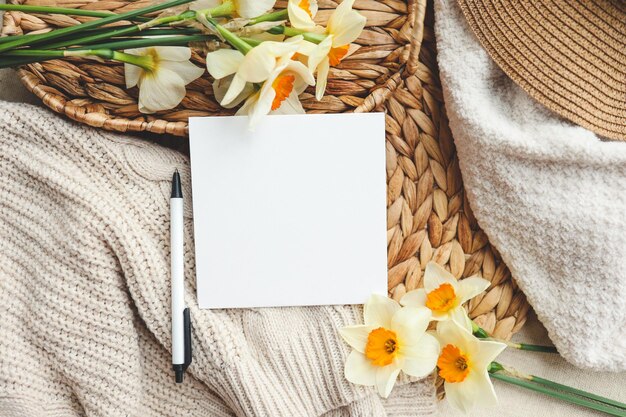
[290,214]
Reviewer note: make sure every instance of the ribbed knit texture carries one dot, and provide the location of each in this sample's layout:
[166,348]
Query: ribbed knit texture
[85,297]
[550,195]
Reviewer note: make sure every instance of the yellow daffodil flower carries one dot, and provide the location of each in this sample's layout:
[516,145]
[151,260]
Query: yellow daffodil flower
[242,8]
[162,75]
[392,339]
[344,27]
[443,294]
[463,364]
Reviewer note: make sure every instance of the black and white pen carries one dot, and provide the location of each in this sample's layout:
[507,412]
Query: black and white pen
[181,323]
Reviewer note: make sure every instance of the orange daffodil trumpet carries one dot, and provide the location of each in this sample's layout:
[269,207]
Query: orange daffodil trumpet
[443,294]
[161,73]
[344,27]
[392,339]
[464,363]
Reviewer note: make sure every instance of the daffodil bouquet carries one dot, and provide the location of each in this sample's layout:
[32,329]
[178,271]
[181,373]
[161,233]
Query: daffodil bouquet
[261,59]
[429,330]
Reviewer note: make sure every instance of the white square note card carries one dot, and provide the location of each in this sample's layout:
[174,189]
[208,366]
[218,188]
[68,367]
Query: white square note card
[290,214]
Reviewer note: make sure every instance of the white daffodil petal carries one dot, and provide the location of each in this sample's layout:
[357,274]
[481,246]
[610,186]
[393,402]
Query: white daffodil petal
[435,275]
[449,332]
[263,106]
[237,85]
[162,91]
[351,27]
[482,388]
[291,105]
[379,310]
[469,288]
[336,18]
[249,104]
[185,70]
[322,79]
[420,359]
[359,370]
[386,378]
[298,17]
[253,8]
[132,73]
[415,298]
[410,323]
[204,4]
[356,336]
[317,54]
[260,62]
[487,352]
[223,62]
[220,87]
[459,316]
[173,53]
[460,395]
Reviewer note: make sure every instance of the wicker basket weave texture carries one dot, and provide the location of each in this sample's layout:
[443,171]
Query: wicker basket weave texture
[392,69]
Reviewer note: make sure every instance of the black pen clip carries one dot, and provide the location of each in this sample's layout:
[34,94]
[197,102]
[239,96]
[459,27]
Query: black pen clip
[187,337]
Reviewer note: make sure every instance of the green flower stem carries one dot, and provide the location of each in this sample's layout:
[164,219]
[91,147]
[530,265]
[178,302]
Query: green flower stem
[55,34]
[289,31]
[55,10]
[144,62]
[576,391]
[121,32]
[251,41]
[496,368]
[482,334]
[28,56]
[560,395]
[270,17]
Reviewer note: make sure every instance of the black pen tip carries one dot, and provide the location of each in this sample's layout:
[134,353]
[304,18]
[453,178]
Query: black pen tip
[177,189]
[179,376]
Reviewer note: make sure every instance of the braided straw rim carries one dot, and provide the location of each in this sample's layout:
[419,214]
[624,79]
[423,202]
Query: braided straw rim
[568,55]
[428,215]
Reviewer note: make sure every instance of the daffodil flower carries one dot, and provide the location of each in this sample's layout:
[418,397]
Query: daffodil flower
[269,65]
[161,73]
[241,8]
[443,294]
[392,339]
[344,27]
[279,93]
[463,364]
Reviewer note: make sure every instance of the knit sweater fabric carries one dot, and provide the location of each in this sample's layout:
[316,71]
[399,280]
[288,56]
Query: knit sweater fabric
[550,195]
[85,297]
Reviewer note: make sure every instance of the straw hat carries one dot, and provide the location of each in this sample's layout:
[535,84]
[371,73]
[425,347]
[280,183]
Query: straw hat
[570,55]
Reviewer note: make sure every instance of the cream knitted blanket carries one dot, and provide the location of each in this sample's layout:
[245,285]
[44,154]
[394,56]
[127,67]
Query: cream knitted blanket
[84,297]
[550,195]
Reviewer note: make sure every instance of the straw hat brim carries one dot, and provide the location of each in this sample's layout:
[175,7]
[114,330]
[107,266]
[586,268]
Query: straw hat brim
[569,55]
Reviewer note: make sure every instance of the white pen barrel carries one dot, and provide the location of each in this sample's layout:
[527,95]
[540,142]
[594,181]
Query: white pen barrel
[178,274]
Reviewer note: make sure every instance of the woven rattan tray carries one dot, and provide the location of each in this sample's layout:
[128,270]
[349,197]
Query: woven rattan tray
[394,70]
